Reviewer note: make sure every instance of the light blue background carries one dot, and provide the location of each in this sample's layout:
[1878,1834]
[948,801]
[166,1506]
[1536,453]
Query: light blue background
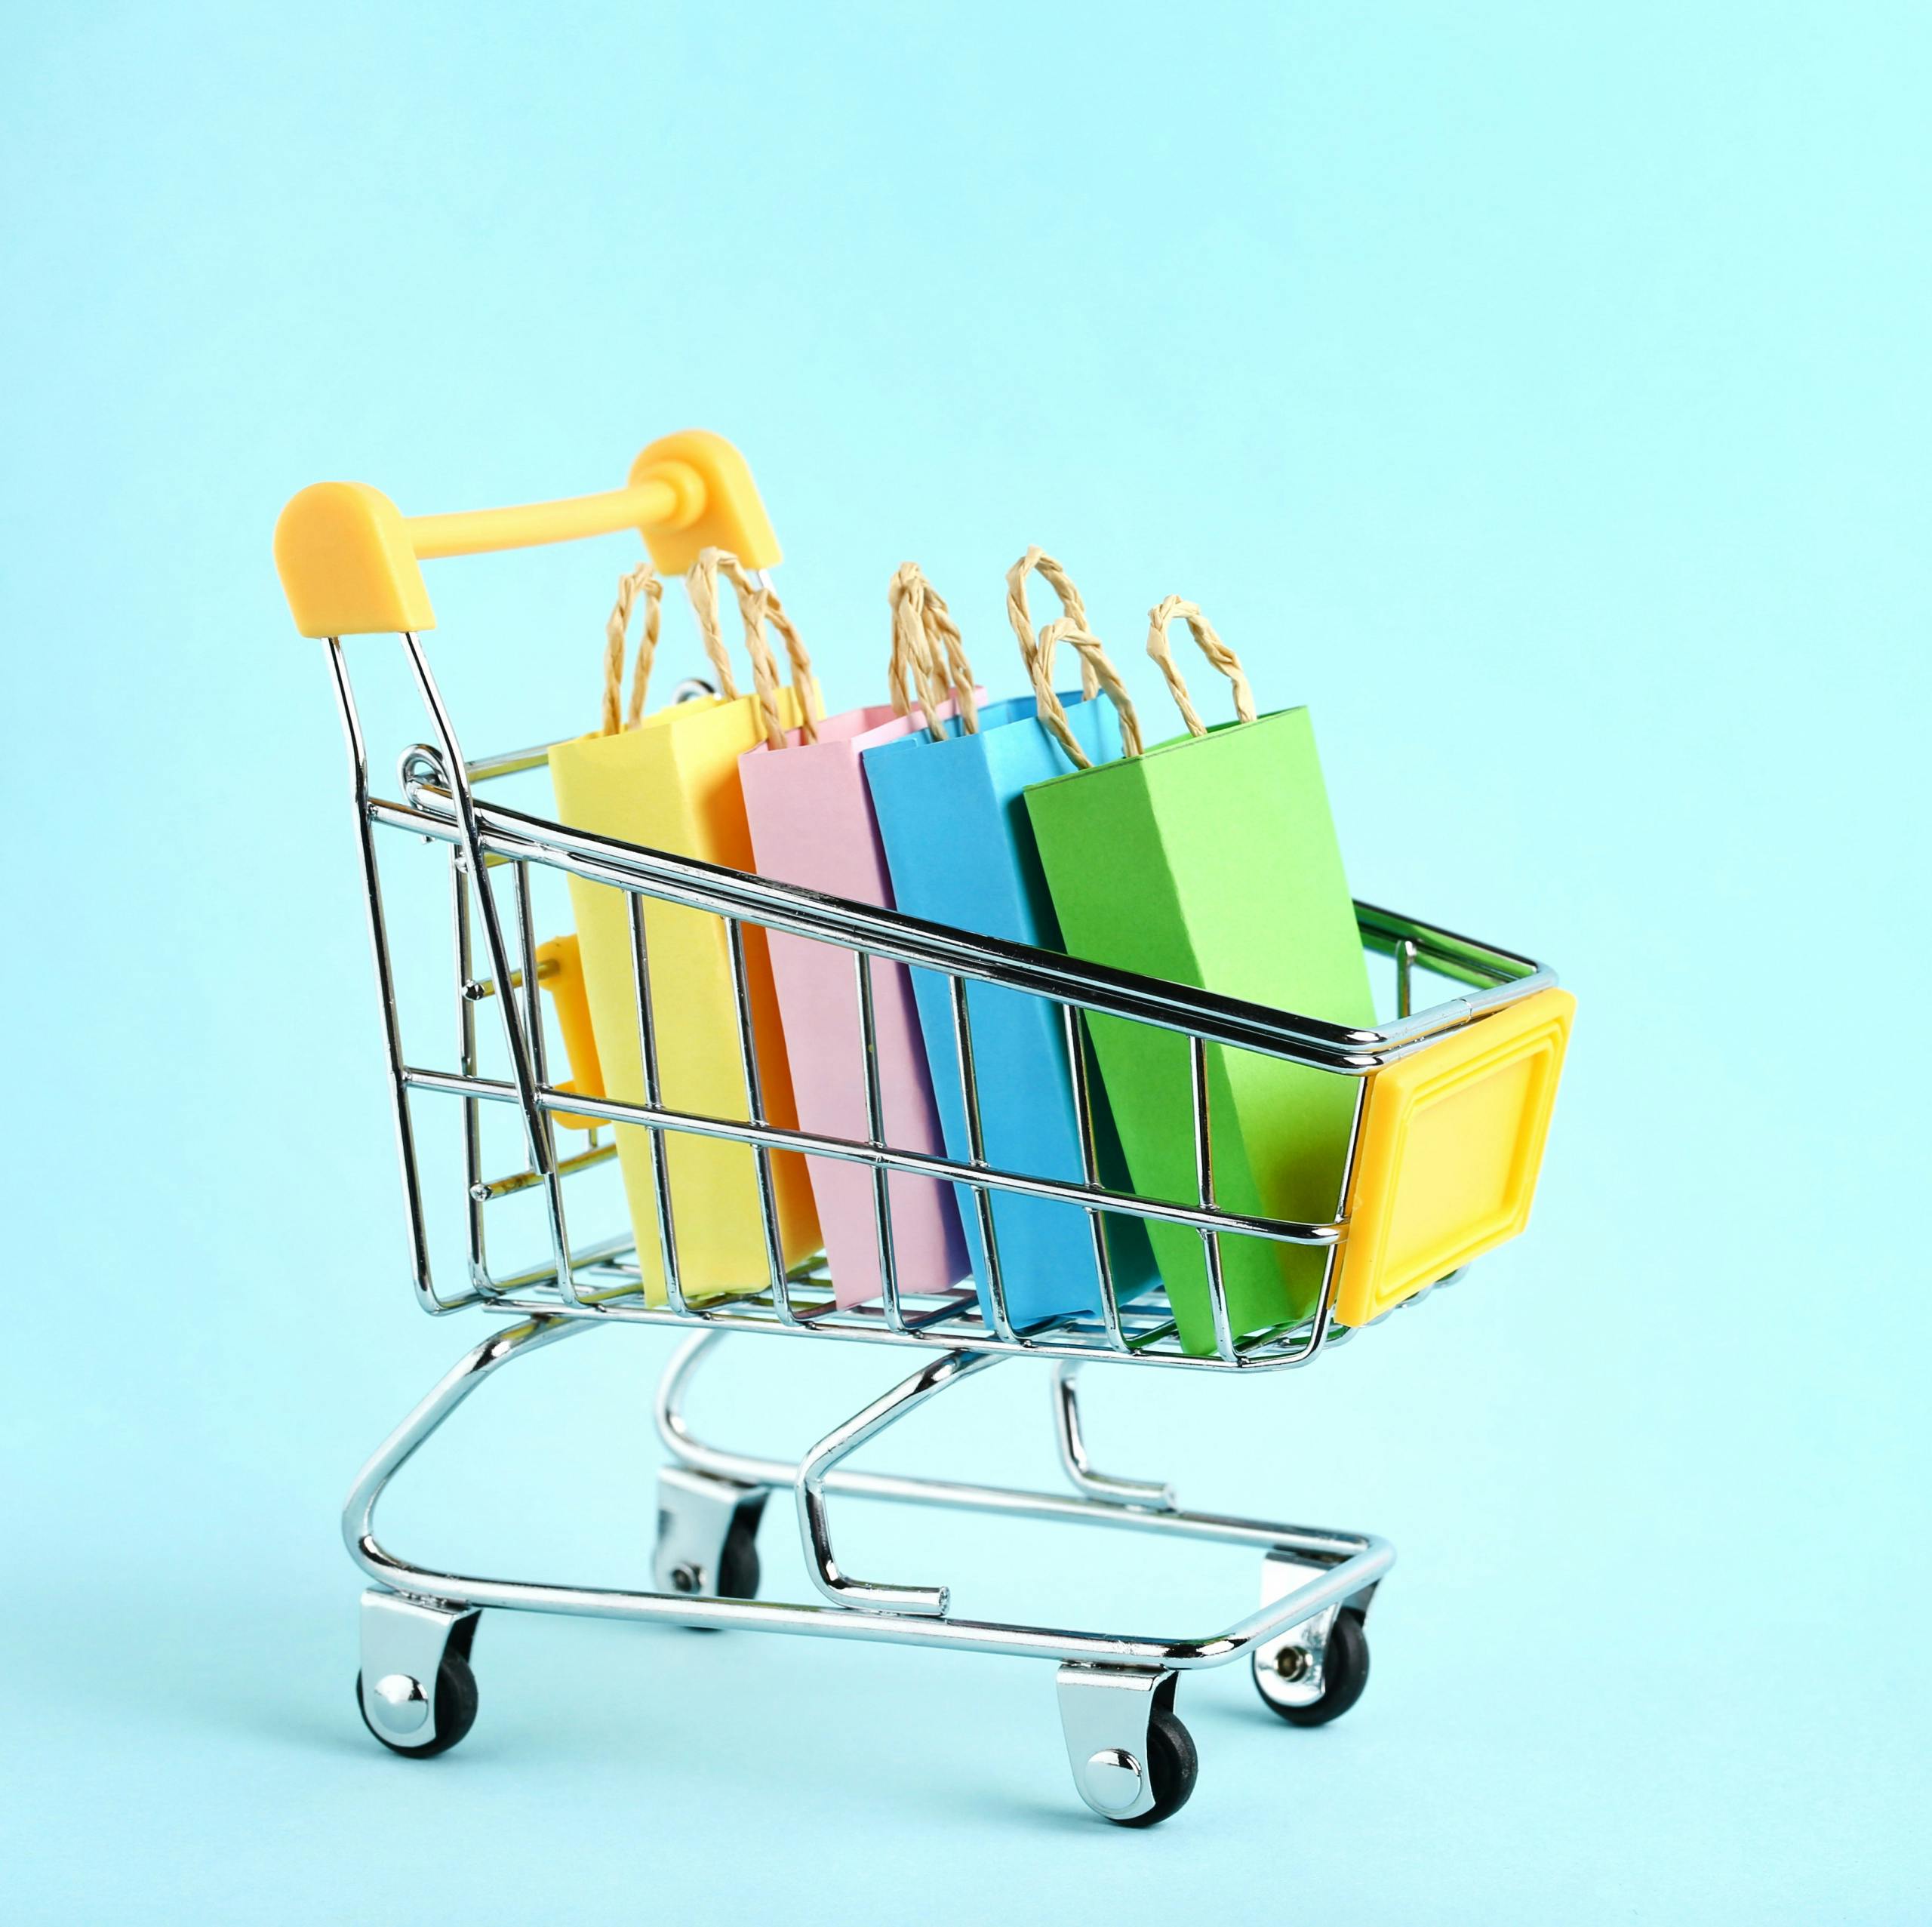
[1539,391]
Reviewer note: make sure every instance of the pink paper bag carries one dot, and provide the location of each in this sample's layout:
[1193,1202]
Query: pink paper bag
[811,823]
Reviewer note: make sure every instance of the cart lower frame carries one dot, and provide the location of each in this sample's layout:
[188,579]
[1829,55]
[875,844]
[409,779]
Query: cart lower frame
[1131,1761]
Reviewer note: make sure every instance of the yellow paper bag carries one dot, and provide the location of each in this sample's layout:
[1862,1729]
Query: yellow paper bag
[669,782]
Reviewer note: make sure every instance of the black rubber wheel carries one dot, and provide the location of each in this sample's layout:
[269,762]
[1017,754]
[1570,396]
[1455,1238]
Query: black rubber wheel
[1344,1675]
[737,1575]
[454,1709]
[1172,1764]
[737,1564]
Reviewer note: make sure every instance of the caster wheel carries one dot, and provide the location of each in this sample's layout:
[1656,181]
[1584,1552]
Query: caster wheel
[737,1564]
[1344,1675]
[707,1536]
[454,1709]
[1172,1764]
[737,1575]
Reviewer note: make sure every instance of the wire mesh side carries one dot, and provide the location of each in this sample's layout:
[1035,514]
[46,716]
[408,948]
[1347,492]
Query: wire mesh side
[606,1275]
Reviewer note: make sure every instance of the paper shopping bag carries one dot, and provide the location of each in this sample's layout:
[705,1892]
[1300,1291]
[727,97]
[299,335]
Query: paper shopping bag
[960,851]
[1212,860]
[812,824]
[669,782]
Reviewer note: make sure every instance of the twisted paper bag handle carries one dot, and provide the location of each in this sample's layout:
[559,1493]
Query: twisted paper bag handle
[1219,656]
[927,651]
[1039,656]
[642,580]
[1039,663]
[1061,583]
[757,604]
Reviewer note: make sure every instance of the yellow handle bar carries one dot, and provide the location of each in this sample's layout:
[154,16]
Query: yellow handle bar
[349,560]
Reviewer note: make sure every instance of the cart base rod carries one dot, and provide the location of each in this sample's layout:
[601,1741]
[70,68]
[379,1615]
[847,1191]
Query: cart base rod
[1347,1576]
[886,1628]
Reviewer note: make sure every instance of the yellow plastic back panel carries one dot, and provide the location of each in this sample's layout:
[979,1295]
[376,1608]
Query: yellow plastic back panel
[560,971]
[672,784]
[1451,1145]
[350,561]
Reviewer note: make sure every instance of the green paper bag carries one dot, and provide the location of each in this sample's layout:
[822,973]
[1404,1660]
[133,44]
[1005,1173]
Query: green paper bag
[1211,860]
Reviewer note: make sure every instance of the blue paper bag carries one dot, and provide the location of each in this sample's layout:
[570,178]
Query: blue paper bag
[960,850]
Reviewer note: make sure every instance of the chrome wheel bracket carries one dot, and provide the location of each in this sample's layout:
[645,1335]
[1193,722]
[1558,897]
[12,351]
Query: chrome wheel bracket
[404,1641]
[1105,1713]
[697,1514]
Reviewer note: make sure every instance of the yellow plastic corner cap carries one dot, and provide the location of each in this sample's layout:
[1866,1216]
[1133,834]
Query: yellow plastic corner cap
[730,515]
[347,564]
[1451,1142]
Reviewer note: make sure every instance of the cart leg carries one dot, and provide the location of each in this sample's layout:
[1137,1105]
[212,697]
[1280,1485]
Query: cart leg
[1150,1493]
[1313,1672]
[1133,1762]
[707,1530]
[416,1690]
[813,1528]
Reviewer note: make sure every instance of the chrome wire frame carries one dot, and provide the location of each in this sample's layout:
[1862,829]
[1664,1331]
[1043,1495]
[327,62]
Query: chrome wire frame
[600,1282]
[1340,1568]
[602,1278]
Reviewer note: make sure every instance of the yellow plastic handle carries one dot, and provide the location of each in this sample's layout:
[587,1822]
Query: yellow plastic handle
[660,500]
[350,561]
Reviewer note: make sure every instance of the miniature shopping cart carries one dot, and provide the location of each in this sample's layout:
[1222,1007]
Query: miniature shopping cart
[1452,1104]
